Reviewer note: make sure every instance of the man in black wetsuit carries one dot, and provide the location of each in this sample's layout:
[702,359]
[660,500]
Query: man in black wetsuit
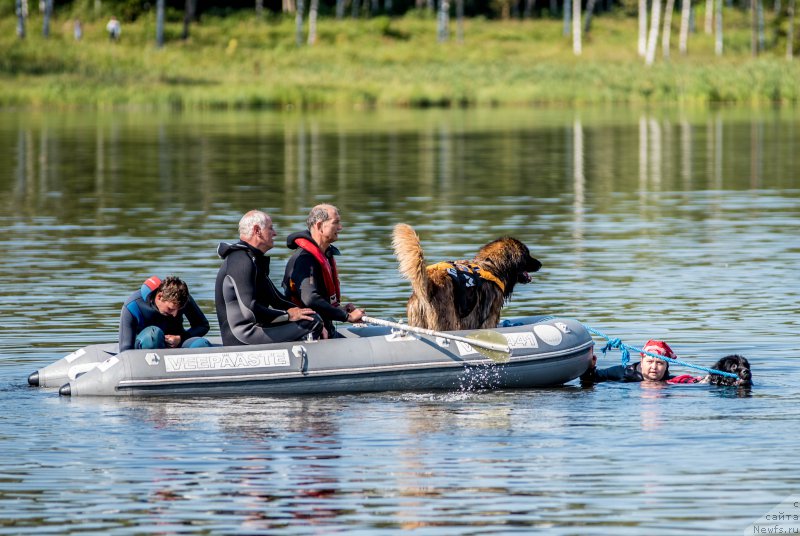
[152,317]
[311,279]
[249,307]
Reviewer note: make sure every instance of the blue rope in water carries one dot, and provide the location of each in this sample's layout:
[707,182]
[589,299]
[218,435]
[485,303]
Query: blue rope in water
[626,356]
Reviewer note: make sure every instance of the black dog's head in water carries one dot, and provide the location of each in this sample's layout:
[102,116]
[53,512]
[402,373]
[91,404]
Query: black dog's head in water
[735,364]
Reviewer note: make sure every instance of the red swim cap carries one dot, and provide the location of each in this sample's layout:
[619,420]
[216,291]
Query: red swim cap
[659,347]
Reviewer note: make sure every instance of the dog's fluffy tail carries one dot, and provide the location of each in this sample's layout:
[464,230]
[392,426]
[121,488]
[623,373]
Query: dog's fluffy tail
[411,259]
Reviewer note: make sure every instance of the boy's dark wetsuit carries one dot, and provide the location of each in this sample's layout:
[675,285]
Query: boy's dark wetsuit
[139,312]
[250,309]
[306,282]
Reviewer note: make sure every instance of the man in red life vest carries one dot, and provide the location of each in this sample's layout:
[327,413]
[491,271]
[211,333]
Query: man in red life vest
[311,279]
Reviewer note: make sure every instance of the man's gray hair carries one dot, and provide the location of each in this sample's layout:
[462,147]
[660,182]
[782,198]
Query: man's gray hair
[250,220]
[319,213]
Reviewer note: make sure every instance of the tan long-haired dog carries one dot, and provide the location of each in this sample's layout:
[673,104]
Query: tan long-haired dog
[461,294]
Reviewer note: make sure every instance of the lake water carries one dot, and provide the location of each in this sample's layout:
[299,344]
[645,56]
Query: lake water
[676,225]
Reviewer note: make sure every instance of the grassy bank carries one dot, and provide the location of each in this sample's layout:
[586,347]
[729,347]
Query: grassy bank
[243,62]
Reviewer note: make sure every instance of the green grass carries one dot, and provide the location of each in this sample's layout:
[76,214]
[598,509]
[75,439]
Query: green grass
[239,62]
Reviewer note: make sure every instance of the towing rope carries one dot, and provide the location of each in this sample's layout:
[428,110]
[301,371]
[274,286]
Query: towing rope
[626,354]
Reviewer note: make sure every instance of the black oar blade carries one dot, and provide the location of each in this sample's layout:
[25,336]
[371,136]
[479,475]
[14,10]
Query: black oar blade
[485,335]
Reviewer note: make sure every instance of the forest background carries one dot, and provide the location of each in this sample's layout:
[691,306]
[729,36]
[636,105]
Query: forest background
[415,53]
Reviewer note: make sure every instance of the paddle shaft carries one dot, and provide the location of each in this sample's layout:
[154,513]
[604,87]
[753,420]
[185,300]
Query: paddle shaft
[424,331]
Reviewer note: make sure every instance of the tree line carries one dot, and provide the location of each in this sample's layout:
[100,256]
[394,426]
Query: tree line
[654,19]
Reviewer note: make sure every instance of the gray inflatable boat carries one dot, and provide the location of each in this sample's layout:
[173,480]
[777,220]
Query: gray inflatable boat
[544,351]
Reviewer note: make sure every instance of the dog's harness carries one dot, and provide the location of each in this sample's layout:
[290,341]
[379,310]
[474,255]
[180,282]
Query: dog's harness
[467,279]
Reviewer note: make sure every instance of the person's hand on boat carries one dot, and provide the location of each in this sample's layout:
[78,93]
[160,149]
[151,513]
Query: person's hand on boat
[299,313]
[355,315]
[172,341]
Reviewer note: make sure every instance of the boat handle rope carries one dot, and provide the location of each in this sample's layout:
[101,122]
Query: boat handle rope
[625,349]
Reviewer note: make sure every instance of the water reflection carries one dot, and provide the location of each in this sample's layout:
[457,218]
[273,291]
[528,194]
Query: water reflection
[191,161]
[651,224]
[579,181]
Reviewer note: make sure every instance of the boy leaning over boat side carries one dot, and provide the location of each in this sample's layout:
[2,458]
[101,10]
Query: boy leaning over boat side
[649,369]
[152,317]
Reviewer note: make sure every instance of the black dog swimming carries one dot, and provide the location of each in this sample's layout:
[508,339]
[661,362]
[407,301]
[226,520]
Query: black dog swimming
[735,364]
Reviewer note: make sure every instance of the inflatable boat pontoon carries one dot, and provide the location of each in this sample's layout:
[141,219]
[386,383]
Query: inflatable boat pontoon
[544,351]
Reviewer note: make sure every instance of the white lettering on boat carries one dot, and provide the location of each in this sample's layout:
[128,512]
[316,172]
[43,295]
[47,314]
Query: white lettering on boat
[226,360]
[549,334]
[525,339]
[521,340]
[74,355]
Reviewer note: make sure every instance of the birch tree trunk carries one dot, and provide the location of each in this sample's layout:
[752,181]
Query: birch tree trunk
[355,6]
[709,25]
[652,40]
[339,9]
[666,33]
[760,21]
[48,12]
[298,24]
[642,28]
[443,21]
[259,8]
[576,27]
[20,20]
[790,32]
[718,40]
[686,12]
[160,23]
[313,8]
[686,15]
